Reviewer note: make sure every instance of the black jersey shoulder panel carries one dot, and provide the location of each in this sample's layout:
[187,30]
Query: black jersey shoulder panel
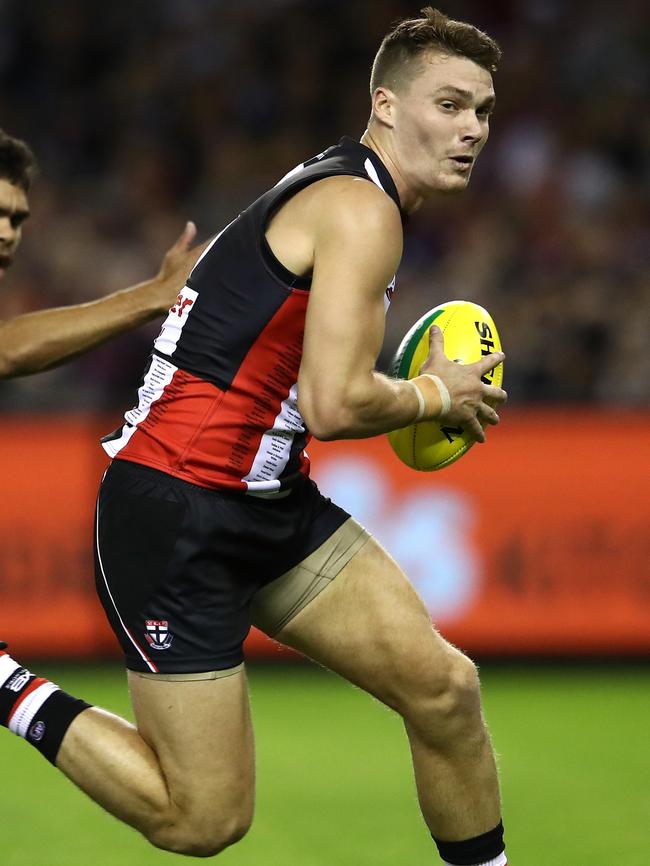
[240,283]
[348,157]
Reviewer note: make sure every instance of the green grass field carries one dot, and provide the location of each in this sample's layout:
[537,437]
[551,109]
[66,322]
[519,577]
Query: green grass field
[335,785]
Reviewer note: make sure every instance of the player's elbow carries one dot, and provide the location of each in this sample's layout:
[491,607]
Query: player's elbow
[5,355]
[14,365]
[330,414]
[324,422]
[12,353]
[329,429]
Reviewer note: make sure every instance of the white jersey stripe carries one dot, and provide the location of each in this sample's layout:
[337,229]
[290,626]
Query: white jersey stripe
[372,173]
[149,663]
[114,446]
[158,377]
[170,333]
[275,446]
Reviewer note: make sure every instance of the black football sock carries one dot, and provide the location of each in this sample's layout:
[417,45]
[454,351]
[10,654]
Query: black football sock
[34,708]
[488,849]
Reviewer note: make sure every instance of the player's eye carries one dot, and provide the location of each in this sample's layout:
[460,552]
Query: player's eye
[448,105]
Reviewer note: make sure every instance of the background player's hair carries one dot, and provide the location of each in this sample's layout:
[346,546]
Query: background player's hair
[409,39]
[17,162]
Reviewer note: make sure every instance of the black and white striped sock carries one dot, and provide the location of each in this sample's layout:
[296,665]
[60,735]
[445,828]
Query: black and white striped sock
[34,708]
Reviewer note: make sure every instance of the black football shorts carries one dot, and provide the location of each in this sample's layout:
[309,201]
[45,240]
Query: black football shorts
[177,566]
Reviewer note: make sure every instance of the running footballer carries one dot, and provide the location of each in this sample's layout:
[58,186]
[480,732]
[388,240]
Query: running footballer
[207,520]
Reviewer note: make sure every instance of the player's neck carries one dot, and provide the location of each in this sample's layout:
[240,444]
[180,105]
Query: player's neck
[410,200]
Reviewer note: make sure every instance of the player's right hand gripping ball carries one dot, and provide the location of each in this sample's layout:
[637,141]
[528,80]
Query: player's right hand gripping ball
[469,333]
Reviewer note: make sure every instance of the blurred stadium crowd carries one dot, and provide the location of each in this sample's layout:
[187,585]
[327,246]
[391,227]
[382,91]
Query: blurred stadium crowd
[145,113]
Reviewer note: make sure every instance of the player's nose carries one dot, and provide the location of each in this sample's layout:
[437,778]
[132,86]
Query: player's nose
[472,129]
[7,232]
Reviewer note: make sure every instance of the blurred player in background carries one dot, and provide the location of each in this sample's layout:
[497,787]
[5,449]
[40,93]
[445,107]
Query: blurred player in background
[37,341]
[207,520]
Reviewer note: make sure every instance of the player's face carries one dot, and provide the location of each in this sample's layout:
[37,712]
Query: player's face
[441,123]
[14,210]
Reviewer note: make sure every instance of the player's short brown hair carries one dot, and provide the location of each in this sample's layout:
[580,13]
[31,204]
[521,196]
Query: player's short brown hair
[411,38]
[17,162]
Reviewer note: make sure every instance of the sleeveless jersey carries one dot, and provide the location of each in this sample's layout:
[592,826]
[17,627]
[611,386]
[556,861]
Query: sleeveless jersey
[218,401]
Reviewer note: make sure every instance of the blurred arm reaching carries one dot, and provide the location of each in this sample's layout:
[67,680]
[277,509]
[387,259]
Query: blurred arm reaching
[38,341]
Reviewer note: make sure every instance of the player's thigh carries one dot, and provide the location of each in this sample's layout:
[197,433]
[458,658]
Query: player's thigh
[371,627]
[202,735]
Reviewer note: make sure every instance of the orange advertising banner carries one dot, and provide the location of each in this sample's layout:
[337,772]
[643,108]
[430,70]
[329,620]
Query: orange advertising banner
[536,543]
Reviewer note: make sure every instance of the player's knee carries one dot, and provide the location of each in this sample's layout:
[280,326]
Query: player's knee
[217,838]
[201,837]
[460,699]
[446,702]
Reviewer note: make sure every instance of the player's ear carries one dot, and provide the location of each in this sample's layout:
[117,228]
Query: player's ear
[383,106]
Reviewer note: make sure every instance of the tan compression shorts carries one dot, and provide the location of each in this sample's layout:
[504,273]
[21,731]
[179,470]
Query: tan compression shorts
[279,601]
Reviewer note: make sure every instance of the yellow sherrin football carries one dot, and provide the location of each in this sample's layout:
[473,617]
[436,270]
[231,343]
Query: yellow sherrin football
[469,333]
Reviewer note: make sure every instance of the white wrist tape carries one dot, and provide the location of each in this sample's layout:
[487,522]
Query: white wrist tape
[421,403]
[443,391]
[445,398]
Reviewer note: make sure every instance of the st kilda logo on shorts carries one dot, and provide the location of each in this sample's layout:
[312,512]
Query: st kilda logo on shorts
[157,634]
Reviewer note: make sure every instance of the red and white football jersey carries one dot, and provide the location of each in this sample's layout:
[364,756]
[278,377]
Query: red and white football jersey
[218,402]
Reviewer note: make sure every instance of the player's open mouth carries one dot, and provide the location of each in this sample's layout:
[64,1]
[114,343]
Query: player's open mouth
[462,162]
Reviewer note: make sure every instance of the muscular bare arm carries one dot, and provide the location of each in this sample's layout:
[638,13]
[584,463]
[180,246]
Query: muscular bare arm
[357,235]
[38,341]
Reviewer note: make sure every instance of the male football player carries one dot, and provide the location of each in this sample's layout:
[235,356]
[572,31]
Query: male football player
[207,520]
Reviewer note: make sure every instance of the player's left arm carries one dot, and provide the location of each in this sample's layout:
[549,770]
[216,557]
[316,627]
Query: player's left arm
[38,341]
[356,233]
